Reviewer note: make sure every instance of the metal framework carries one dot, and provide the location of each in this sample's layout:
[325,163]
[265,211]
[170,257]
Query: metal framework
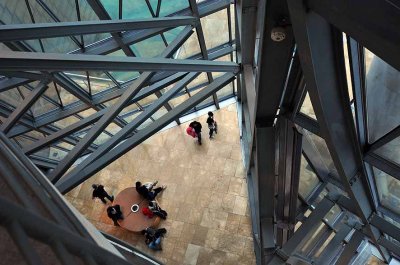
[320,145]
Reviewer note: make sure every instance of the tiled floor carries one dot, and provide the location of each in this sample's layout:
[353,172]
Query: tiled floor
[206,199]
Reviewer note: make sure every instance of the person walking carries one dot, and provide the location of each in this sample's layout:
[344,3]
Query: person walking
[197,128]
[212,124]
[99,192]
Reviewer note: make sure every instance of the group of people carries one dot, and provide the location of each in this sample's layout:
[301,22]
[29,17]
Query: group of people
[114,212]
[195,127]
[148,192]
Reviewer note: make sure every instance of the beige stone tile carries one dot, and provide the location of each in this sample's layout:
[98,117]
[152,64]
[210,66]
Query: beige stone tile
[235,186]
[240,205]
[204,257]
[191,255]
[176,229]
[188,233]
[183,213]
[200,235]
[230,167]
[228,202]
[212,238]
[178,254]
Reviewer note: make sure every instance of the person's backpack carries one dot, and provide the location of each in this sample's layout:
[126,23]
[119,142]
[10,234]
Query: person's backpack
[190,131]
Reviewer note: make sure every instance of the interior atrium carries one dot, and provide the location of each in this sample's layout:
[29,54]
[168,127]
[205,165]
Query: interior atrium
[303,169]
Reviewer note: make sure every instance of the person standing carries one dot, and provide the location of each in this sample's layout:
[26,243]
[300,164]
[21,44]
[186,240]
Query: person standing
[147,191]
[99,192]
[197,128]
[114,212]
[212,124]
[153,237]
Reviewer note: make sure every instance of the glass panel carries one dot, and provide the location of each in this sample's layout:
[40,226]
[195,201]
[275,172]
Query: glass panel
[201,79]
[145,124]
[66,97]
[57,154]
[11,97]
[178,100]
[159,113]
[59,44]
[170,35]
[322,150]
[14,12]
[333,213]
[225,91]
[99,82]
[123,77]
[112,8]
[171,6]
[113,128]
[42,106]
[347,66]
[307,107]
[80,79]
[391,151]
[189,48]
[388,190]
[215,28]
[314,239]
[382,83]
[134,9]
[132,117]
[66,122]
[102,138]
[147,100]
[87,113]
[151,47]
[308,179]
[129,109]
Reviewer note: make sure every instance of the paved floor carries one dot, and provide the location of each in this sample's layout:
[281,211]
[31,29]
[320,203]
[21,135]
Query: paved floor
[206,198]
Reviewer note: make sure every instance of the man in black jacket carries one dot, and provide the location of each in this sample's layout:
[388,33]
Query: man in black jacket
[197,128]
[114,212]
[99,192]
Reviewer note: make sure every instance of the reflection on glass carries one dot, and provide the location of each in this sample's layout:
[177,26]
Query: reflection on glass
[189,47]
[390,151]
[151,47]
[388,190]
[383,96]
[323,152]
[347,66]
[11,97]
[307,107]
[313,240]
[308,180]
[215,28]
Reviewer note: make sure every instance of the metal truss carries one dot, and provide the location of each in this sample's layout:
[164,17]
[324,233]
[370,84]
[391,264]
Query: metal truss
[284,51]
[343,210]
[64,102]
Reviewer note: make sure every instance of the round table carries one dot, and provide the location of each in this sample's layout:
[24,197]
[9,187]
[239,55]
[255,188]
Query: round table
[134,221]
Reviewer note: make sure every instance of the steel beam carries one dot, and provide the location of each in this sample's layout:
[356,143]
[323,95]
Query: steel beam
[128,129]
[17,32]
[10,83]
[114,110]
[101,12]
[24,106]
[373,23]
[52,138]
[202,43]
[351,248]
[63,62]
[334,246]
[386,227]
[327,86]
[142,135]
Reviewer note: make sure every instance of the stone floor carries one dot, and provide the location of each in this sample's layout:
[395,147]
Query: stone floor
[206,199]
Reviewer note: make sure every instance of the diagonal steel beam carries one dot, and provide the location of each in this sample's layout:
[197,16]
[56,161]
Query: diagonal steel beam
[54,137]
[17,32]
[133,125]
[327,86]
[142,135]
[202,43]
[114,110]
[10,83]
[62,62]
[24,106]
[158,81]
[101,12]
